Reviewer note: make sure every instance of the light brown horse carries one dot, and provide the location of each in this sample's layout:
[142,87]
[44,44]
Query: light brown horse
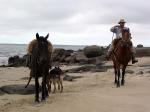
[121,56]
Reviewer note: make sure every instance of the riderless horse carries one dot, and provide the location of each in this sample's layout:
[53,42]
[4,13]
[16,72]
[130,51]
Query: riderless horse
[40,59]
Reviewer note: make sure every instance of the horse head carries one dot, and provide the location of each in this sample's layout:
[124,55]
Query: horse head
[126,35]
[125,39]
[42,49]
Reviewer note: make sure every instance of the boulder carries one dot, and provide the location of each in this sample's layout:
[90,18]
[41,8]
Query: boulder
[81,58]
[93,51]
[60,54]
[71,59]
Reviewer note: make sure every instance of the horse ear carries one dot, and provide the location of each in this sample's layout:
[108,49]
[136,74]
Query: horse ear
[37,36]
[47,36]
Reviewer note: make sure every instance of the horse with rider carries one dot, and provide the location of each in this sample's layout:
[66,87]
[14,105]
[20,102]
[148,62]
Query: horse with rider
[118,30]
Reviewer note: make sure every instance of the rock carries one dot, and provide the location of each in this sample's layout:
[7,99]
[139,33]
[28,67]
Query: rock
[71,59]
[148,71]
[140,73]
[81,69]
[86,68]
[60,54]
[81,58]
[96,60]
[141,52]
[16,61]
[18,89]
[57,54]
[139,46]
[130,71]
[93,51]
[99,70]
[1,92]
[71,78]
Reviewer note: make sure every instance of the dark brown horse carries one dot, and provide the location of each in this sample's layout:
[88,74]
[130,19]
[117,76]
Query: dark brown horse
[39,65]
[121,57]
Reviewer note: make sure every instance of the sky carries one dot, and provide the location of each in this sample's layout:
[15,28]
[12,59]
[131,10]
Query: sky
[73,22]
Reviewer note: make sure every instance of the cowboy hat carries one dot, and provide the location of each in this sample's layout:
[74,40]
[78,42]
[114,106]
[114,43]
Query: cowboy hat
[121,21]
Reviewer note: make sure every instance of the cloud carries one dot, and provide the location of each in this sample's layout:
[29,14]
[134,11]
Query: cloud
[71,21]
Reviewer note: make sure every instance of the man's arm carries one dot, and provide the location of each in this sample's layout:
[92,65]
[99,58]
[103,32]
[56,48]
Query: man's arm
[113,29]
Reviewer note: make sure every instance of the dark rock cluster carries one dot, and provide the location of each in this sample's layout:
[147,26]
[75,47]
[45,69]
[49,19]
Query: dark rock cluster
[89,55]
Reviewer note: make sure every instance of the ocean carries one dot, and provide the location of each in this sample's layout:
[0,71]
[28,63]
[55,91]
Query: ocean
[8,50]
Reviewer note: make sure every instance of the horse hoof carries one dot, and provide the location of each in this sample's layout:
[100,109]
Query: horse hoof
[37,100]
[47,96]
[118,85]
[43,99]
[122,83]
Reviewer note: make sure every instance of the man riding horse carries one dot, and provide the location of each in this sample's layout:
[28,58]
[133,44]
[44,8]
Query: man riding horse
[118,30]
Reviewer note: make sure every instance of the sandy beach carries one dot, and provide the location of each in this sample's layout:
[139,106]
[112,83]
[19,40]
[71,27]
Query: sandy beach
[94,92]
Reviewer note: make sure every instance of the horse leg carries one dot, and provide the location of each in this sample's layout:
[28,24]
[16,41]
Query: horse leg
[123,75]
[43,87]
[115,76]
[36,89]
[118,74]
[46,88]
[49,87]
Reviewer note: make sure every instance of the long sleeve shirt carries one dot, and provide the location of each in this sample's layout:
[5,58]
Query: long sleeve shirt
[118,31]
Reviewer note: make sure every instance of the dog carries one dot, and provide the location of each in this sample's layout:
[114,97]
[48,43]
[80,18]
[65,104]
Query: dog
[55,76]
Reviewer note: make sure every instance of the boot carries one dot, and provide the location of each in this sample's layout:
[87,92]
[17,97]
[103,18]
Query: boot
[133,59]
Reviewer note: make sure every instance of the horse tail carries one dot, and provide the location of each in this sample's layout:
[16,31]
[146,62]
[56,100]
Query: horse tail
[28,81]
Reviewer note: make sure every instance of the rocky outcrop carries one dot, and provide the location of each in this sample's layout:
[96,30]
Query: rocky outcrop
[89,55]
[141,52]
